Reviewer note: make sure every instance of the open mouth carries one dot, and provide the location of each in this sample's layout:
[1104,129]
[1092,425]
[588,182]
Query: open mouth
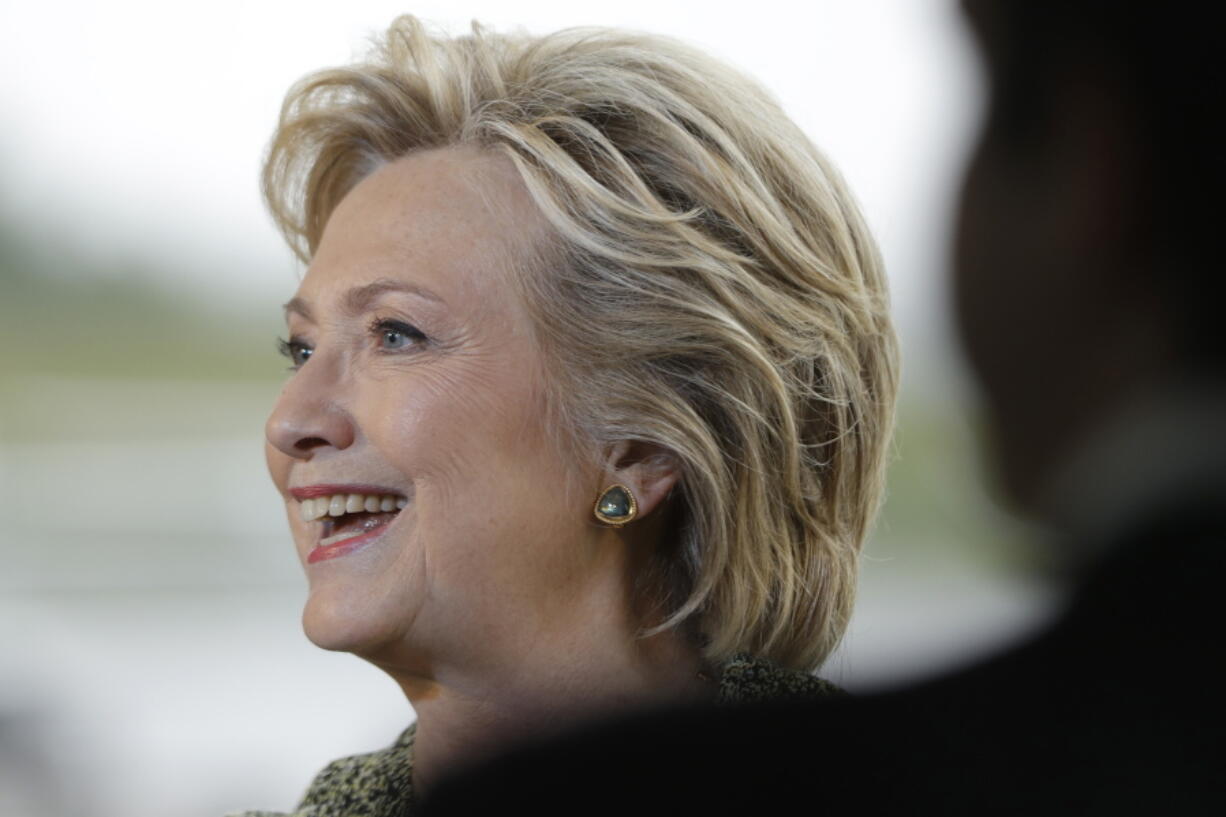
[345,517]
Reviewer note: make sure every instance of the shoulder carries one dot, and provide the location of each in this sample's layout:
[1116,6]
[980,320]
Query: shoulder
[747,679]
[374,784]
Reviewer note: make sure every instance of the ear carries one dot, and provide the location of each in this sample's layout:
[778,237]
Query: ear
[650,471]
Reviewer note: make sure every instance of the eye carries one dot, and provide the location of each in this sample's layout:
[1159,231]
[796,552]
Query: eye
[294,349]
[396,335]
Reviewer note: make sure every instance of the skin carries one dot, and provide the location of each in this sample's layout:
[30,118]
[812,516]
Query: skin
[494,599]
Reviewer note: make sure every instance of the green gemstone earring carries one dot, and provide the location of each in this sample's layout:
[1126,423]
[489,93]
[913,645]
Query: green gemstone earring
[616,506]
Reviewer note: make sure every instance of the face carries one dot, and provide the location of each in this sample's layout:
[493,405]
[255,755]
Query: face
[419,391]
[1017,315]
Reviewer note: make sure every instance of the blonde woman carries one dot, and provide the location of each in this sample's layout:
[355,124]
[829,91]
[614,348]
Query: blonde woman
[594,380]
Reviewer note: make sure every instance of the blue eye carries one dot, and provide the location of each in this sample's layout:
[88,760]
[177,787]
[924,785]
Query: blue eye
[294,349]
[396,335]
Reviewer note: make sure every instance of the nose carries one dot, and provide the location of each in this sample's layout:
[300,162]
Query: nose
[306,417]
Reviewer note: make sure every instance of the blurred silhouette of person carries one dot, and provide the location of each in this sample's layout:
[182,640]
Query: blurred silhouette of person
[1084,300]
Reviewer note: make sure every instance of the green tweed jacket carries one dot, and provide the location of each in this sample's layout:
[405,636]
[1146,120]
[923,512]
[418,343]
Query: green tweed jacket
[379,784]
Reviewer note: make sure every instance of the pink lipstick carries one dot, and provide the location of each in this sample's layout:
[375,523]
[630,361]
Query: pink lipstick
[316,491]
[331,551]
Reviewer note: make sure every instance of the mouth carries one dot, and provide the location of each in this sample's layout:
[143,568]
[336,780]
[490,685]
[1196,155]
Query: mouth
[348,520]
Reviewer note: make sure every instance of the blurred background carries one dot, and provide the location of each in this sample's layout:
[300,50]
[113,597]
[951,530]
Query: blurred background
[151,660]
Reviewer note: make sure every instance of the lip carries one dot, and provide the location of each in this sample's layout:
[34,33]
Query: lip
[315,491]
[345,546]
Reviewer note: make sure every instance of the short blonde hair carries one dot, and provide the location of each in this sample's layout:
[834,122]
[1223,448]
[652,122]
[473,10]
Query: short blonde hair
[710,288]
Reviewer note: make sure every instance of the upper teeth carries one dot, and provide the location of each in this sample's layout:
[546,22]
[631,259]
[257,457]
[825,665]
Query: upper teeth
[339,504]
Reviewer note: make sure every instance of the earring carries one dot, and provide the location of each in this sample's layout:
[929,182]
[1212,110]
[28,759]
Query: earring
[616,506]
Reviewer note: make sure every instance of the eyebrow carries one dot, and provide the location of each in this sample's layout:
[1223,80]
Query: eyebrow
[359,299]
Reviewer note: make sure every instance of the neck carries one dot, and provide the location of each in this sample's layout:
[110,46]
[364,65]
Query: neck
[1162,444]
[465,715]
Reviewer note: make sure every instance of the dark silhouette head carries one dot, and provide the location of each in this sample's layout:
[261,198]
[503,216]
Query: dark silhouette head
[1084,275]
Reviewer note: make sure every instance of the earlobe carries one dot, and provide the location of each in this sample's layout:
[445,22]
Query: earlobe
[616,506]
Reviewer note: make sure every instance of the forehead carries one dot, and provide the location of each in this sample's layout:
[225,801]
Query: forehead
[451,220]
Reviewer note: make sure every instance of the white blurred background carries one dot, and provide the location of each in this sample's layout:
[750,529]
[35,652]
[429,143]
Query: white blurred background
[151,661]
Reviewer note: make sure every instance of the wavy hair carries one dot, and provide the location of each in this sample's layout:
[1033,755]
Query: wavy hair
[709,286]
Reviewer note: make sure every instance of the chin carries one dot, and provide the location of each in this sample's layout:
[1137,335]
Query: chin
[336,624]
[1011,470]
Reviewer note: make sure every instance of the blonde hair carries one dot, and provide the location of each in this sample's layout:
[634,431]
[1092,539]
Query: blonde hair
[710,288]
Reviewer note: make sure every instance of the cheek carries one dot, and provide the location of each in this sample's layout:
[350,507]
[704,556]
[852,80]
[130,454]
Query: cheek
[463,421]
[498,509]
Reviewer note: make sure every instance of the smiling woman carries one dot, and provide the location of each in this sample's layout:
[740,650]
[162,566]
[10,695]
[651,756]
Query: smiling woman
[593,381]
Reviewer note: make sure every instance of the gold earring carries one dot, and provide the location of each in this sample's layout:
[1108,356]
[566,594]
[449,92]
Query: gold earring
[616,506]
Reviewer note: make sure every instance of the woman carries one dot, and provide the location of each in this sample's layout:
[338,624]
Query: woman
[593,386]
